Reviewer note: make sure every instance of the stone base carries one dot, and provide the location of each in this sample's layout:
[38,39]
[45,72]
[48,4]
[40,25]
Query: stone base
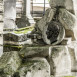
[58,57]
[35,67]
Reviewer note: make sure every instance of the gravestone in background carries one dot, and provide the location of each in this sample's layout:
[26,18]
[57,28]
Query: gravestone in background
[9,14]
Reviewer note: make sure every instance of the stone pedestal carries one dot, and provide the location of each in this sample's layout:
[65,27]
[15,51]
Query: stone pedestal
[1,26]
[58,57]
[9,14]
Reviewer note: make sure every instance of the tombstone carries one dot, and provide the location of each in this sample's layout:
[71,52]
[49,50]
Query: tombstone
[9,14]
[1,26]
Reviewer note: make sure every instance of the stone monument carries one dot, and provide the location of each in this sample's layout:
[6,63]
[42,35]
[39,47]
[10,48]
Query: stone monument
[53,51]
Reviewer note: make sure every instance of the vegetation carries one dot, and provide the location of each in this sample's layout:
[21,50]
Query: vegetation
[24,30]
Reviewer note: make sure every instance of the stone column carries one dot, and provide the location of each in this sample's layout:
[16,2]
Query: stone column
[26,18]
[1,27]
[9,14]
[28,14]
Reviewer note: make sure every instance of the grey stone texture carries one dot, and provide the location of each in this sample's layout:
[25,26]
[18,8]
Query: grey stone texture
[70,5]
[69,21]
[35,67]
[34,51]
[58,57]
[9,14]
[42,25]
[60,61]
[9,63]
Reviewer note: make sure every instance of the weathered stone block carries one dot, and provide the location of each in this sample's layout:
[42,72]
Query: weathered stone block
[34,51]
[70,5]
[69,21]
[60,61]
[15,37]
[35,67]
[73,54]
[9,63]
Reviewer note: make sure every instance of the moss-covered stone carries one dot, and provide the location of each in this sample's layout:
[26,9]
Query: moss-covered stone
[35,67]
[9,63]
[34,51]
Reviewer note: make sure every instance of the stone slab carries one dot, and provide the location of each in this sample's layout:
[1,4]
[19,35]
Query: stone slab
[47,22]
[34,51]
[15,37]
[59,57]
[9,63]
[60,61]
[35,67]
[69,21]
[19,43]
[70,5]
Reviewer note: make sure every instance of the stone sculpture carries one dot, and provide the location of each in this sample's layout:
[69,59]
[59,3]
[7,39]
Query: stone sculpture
[54,44]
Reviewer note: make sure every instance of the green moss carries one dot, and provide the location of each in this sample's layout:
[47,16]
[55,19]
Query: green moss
[13,46]
[24,30]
